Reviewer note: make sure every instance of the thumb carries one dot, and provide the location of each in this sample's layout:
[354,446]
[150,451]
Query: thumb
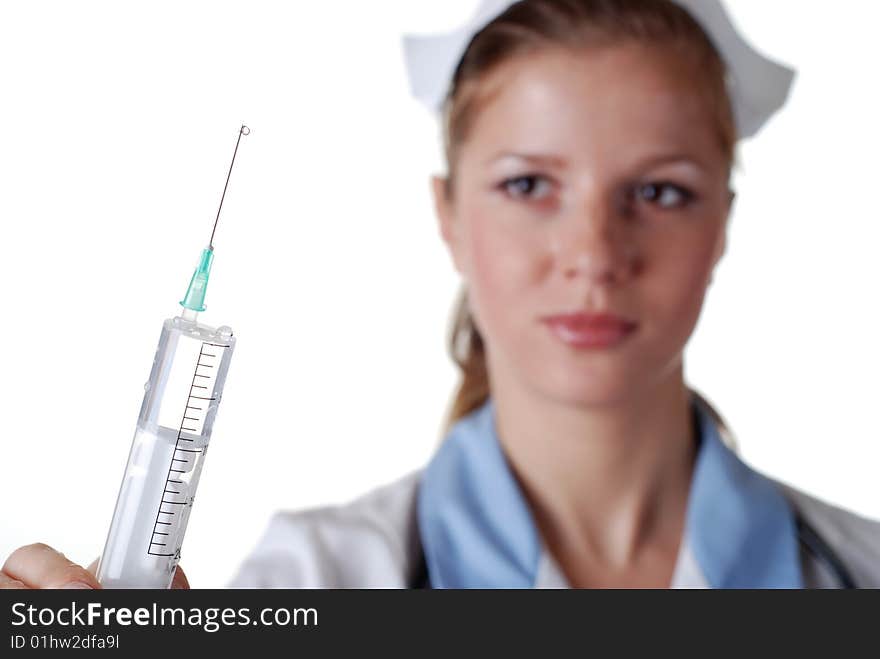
[180,582]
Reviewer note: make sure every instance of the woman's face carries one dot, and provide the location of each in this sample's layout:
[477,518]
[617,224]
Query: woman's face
[590,182]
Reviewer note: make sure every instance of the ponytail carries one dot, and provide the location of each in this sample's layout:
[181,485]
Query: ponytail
[468,352]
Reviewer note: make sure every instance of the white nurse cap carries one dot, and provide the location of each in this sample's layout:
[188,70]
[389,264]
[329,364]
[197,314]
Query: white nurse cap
[758,86]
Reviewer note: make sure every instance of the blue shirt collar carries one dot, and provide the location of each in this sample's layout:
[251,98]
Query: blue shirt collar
[477,530]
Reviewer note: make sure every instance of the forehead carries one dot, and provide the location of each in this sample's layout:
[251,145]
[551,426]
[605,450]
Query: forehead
[607,102]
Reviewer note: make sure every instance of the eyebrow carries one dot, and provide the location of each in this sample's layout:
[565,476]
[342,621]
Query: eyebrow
[534,158]
[561,163]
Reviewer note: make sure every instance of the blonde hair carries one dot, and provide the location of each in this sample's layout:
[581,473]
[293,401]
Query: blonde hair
[525,27]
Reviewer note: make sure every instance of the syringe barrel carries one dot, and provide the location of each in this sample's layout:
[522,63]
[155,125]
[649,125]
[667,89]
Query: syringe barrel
[166,457]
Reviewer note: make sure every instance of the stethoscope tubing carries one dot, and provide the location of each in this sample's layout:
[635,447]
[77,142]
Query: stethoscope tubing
[822,552]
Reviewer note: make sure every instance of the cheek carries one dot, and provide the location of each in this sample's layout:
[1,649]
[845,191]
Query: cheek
[675,284]
[503,266]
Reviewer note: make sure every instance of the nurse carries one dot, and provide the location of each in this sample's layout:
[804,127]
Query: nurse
[589,146]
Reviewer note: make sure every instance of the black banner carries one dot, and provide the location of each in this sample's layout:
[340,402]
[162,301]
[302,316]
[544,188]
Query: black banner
[552,622]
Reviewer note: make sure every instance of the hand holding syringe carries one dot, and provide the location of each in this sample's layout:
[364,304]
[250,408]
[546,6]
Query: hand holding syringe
[166,457]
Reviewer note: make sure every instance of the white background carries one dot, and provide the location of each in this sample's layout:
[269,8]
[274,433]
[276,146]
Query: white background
[118,121]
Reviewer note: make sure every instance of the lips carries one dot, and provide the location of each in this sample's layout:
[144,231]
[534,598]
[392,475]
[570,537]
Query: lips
[589,330]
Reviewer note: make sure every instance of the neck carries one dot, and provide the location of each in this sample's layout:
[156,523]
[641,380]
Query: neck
[609,481]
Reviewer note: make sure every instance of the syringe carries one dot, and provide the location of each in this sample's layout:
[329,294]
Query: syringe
[171,439]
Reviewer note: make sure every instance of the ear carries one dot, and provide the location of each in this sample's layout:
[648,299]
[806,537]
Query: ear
[731,199]
[444,208]
[721,248]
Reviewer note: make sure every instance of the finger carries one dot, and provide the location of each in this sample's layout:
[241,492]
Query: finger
[8,583]
[40,566]
[180,582]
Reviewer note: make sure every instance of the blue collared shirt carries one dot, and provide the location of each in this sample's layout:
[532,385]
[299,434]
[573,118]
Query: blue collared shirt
[477,530]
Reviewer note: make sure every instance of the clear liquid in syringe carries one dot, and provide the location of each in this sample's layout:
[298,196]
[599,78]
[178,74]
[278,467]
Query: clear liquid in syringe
[164,465]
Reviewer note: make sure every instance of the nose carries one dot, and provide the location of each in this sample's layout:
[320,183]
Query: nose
[594,244]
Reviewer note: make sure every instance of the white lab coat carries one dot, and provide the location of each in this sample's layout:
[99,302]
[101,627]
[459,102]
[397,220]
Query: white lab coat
[373,542]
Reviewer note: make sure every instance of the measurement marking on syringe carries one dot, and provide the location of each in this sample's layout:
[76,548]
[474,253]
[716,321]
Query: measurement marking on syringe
[189,462]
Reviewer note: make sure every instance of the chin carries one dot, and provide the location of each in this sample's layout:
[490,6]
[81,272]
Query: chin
[603,378]
[593,399]
[596,389]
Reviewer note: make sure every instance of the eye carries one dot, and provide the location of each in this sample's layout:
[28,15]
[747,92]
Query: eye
[665,195]
[532,186]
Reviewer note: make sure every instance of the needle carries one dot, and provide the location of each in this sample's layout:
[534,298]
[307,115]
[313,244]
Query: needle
[244,131]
